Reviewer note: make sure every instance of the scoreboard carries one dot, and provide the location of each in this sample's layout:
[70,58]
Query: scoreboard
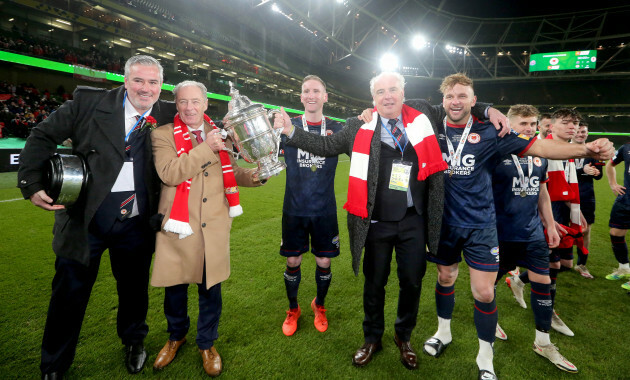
[566,60]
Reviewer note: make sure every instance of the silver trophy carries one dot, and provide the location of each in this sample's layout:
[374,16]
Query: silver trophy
[257,141]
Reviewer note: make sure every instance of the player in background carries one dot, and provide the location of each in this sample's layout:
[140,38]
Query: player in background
[620,214]
[587,170]
[523,209]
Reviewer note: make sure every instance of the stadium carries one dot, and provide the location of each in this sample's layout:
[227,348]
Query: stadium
[265,48]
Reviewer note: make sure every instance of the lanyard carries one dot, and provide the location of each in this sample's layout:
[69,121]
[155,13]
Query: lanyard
[322,131]
[396,142]
[521,175]
[137,121]
[456,156]
[579,163]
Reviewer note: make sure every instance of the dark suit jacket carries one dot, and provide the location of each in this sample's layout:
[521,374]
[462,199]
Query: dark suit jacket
[94,120]
[343,141]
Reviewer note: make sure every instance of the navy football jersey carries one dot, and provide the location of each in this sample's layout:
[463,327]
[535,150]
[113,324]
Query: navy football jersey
[585,181]
[517,215]
[468,200]
[623,155]
[310,184]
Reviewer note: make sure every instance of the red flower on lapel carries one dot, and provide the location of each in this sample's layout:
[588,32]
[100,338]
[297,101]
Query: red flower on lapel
[149,124]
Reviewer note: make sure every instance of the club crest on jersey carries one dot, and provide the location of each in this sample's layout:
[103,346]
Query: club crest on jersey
[474,138]
[335,241]
[329,132]
[537,161]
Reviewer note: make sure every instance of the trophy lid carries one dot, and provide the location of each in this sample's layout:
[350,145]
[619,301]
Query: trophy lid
[238,103]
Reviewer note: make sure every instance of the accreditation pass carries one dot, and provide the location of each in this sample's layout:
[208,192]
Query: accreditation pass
[401,172]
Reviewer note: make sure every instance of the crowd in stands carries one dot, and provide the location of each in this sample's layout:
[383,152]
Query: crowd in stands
[24,43]
[150,7]
[23,106]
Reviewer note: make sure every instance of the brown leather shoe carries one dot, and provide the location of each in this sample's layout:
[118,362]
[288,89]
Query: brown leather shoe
[211,362]
[408,356]
[364,354]
[167,353]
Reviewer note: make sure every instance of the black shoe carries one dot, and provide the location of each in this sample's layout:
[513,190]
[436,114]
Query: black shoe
[135,357]
[436,344]
[487,375]
[52,376]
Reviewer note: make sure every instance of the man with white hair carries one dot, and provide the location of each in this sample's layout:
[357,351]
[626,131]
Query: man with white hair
[198,200]
[395,202]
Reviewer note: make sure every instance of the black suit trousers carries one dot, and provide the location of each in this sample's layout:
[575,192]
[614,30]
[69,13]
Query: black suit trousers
[131,245]
[407,238]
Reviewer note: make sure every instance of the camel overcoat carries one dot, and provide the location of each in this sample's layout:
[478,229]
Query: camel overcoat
[181,261]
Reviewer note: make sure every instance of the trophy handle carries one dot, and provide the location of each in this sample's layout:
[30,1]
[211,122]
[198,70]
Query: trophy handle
[276,132]
[234,154]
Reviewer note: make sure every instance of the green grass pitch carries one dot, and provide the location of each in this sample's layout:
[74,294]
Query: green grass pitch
[251,342]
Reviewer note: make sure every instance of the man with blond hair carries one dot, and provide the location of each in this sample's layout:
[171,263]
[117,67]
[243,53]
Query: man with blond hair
[472,150]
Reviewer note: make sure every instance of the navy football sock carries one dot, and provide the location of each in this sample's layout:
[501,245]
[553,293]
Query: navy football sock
[541,305]
[323,277]
[486,318]
[582,257]
[444,300]
[524,277]
[620,248]
[292,278]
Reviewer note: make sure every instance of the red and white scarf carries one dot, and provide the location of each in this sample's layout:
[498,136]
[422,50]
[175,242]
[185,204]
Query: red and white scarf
[420,134]
[178,221]
[563,186]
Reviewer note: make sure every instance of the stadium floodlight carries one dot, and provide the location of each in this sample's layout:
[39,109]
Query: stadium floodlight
[454,49]
[389,62]
[418,42]
[275,7]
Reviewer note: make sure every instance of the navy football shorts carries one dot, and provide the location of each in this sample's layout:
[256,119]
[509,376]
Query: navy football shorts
[557,254]
[588,210]
[533,255]
[620,216]
[323,232]
[479,246]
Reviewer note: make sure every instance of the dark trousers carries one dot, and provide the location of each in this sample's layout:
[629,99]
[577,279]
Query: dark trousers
[176,311]
[131,245]
[407,237]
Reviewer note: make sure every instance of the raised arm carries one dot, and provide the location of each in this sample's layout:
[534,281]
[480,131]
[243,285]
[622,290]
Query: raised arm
[325,146]
[601,149]
[172,169]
